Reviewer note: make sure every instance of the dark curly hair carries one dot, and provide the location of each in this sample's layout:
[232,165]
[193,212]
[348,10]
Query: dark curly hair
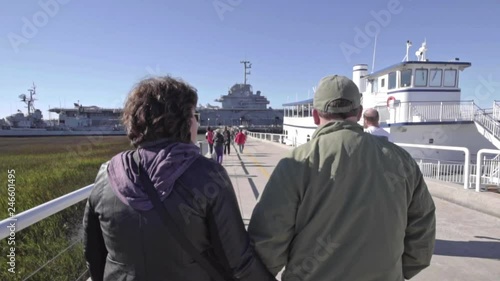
[159,107]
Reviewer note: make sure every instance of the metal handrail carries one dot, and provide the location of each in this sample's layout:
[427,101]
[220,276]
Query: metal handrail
[38,213]
[487,122]
[478,171]
[453,148]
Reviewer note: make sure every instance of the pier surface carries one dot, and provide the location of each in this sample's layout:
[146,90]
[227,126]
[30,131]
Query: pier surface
[467,242]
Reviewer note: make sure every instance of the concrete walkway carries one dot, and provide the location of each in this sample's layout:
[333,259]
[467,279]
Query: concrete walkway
[468,223]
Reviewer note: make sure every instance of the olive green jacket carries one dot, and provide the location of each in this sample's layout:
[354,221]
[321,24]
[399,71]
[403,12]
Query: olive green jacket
[345,206]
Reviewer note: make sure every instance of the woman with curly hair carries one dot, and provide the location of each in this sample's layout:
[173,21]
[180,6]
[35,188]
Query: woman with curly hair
[124,234]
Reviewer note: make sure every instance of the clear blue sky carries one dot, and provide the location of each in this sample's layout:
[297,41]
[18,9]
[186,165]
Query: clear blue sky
[94,51]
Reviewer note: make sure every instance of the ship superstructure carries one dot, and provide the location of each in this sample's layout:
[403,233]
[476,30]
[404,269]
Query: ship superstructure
[85,118]
[32,120]
[419,102]
[242,107]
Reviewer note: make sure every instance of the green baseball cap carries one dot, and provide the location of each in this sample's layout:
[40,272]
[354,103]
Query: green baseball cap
[335,87]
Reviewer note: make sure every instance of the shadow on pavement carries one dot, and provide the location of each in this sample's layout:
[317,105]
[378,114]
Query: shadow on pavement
[473,249]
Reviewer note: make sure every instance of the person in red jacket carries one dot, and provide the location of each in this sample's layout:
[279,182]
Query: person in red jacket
[240,140]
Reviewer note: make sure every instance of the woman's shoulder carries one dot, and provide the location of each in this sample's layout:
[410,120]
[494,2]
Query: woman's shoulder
[204,167]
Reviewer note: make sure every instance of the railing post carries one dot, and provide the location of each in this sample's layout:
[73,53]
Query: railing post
[472,111]
[453,148]
[440,111]
[478,170]
[467,169]
[438,170]
[478,165]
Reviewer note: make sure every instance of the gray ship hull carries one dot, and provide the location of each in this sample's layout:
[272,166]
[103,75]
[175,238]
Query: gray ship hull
[51,133]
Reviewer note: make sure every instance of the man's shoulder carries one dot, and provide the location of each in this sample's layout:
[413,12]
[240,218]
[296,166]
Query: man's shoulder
[377,131]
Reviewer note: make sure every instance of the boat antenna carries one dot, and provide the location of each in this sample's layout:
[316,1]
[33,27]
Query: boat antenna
[29,100]
[374,51]
[422,52]
[408,45]
[245,62]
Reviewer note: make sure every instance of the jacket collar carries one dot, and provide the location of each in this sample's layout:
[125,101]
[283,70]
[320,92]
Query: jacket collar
[334,126]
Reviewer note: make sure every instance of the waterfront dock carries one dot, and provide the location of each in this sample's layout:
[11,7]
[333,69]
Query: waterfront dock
[468,223]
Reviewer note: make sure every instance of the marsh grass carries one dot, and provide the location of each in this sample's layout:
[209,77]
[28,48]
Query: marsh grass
[47,168]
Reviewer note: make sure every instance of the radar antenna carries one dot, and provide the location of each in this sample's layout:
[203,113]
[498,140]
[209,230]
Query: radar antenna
[422,52]
[30,101]
[246,67]
[408,45]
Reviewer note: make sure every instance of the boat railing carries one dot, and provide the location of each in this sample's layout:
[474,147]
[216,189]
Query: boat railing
[496,110]
[493,168]
[454,173]
[465,173]
[279,138]
[487,121]
[428,111]
[466,168]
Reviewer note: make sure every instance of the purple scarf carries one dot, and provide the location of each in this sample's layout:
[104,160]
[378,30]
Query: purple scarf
[164,162]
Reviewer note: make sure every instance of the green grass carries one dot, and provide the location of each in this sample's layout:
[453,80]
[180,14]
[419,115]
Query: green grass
[47,168]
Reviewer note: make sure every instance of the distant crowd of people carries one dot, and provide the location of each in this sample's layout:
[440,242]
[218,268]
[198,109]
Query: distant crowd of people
[221,141]
[347,205]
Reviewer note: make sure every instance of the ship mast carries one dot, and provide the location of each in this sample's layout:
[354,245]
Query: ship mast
[246,67]
[29,101]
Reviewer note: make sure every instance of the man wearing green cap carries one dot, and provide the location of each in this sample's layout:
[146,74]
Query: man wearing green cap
[347,205]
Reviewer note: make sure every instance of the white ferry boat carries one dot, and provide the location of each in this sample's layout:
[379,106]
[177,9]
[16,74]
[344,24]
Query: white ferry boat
[419,102]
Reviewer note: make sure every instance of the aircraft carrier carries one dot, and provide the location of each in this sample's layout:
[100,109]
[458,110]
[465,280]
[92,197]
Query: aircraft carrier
[243,108]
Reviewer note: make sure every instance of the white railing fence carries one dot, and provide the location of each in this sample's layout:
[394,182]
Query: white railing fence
[493,168]
[410,112]
[38,213]
[454,173]
[460,173]
[442,171]
[279,138]
[488,122]
[466,166]
[496,110]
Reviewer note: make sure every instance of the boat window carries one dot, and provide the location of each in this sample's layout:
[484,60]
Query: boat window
[392,80]
[435,77]
[421,77]
[382,83]
[450,77]
[405,78]
[374,85]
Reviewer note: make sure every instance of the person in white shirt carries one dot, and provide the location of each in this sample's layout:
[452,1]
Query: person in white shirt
[371,125]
